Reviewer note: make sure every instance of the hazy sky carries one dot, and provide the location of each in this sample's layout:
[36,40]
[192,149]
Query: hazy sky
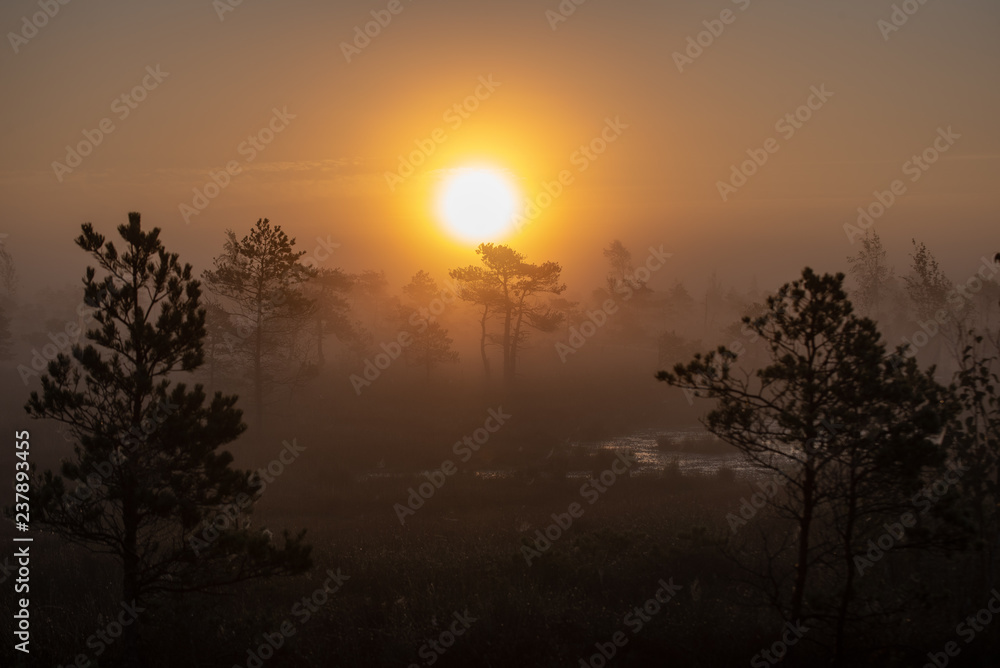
[342,125]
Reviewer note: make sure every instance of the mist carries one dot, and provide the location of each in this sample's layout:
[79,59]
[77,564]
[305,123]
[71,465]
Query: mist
[573,333]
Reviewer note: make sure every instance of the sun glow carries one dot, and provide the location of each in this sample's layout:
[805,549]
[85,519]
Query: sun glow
[477,204]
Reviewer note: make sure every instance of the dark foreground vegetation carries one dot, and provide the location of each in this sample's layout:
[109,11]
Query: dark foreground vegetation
[429,519]
[462,554]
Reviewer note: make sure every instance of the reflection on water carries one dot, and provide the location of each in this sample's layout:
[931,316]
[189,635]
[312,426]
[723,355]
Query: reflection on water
[644,445]
[651,459]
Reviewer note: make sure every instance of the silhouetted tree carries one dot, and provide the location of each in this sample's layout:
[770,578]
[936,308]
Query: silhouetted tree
[671,348]
[477,286]
[5,335]
[846,428]
[926,284]
[373,290]
[431,344]
[421,289]
[622,271]
[714,300]
[632,296]
[679,307]
[871,272]
[928,289]
[8,273]
[146,465]
[509,287]
[332,314]
[259,279]
[219,331]
[974,437]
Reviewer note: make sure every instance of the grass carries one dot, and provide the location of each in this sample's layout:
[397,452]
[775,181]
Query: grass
[460,553]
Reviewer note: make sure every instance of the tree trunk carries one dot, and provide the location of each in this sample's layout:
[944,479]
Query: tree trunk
[514,341]
[992,539]
[130,573]
[258,375]
[848,592]
[130,501]
[482,343]
[507,378]
[319,342]
[805,522]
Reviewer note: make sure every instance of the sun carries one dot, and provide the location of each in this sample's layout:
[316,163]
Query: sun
[477,203]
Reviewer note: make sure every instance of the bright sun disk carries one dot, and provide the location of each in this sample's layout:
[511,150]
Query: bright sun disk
[477,204]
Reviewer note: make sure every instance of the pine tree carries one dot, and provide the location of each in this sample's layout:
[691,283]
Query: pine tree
[846,430]
[260,279]
[147,467]
[509,287]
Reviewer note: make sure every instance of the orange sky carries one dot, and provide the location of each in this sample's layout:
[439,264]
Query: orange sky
[324,172]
